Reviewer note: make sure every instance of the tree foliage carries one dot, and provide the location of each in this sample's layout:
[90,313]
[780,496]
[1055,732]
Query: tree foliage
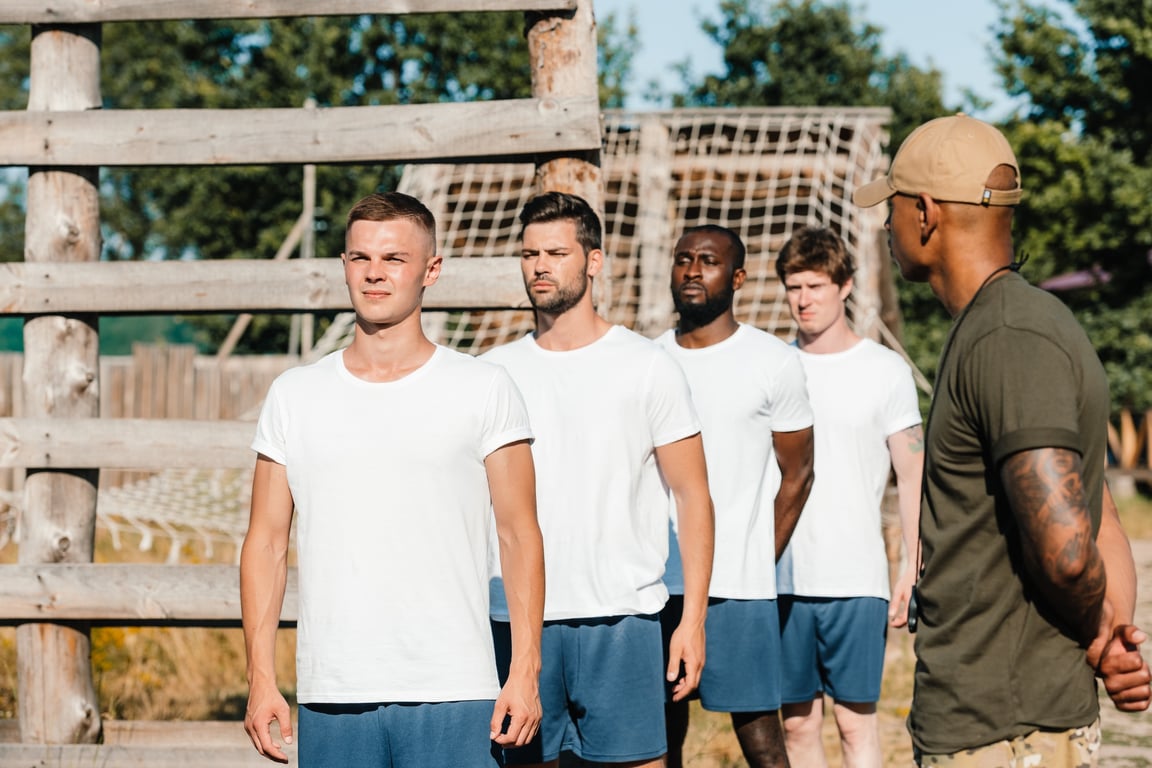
[810,53]
[1084,143]
[230,211]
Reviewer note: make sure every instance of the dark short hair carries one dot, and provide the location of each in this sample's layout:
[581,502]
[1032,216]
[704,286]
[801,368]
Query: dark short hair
[561,206]
[816,249]
[388,206]
[738,249]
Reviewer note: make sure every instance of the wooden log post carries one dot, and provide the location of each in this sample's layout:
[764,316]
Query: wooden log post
[562,56]
[57,698]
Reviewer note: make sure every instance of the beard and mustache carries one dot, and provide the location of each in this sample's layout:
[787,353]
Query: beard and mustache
[701,313]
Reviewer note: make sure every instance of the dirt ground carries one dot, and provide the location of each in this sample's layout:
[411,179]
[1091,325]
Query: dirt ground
[1127,737]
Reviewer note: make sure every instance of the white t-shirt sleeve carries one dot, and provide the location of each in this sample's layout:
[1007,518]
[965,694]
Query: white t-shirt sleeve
[791,410]
[271,427]
[671,414]
[903,409]
[505,415]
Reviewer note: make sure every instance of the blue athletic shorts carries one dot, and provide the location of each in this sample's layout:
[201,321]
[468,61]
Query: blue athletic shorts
[451,734]
[602,689]
[833,645]
[742,654]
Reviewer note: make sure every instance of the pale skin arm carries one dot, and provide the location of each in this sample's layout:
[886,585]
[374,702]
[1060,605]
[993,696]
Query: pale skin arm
[682,464]
[1046,494]
[1116,655]
[907,451]
[263,574]
[512,483]
[794,456]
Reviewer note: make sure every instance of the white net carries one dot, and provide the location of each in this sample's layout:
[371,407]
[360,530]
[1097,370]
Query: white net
[761,172]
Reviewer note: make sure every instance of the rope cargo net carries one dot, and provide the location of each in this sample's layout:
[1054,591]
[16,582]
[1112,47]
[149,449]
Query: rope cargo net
[761,172]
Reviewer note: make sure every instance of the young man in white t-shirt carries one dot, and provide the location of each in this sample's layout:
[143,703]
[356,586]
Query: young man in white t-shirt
[394,454]
[833,578]
[614,422]
[750,393]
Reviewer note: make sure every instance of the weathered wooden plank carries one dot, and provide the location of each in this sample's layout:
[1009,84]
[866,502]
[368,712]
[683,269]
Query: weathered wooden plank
[77,11]
[56,697]
[250,285]
[125,443]
[113,756]
[409,132]
[153,733]
[128,593]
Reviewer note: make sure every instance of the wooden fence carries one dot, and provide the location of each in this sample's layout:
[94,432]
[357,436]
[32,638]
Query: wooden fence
[60,430]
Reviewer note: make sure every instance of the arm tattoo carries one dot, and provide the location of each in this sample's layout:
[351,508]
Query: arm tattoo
[915,437]
[1046,492]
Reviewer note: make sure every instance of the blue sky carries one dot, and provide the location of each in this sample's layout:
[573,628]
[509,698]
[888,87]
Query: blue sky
[952,36]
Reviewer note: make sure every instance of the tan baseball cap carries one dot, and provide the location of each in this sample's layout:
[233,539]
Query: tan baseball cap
[949,159]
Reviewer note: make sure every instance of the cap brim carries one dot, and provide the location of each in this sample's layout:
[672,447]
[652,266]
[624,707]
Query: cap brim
[873,193]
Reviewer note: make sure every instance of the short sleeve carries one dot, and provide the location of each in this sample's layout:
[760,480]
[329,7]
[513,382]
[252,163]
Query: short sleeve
[902,409]
[668,399]
[1023,394]
[791,410]
[505,418]
[272,427]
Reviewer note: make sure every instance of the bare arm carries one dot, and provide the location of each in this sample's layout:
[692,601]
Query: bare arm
[512,483]
[1116,655]
[682,464]
[794,456]
[907,451]
[263,574]
[1046,494]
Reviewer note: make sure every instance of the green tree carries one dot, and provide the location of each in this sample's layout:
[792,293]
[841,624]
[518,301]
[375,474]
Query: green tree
[1084,143]
[810,53]
[246,212]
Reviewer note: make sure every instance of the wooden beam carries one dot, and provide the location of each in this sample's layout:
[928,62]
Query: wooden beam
[249,285]
[57,702]
[114,756]
[132,593]
[125,444]
[83,11]
[403,133]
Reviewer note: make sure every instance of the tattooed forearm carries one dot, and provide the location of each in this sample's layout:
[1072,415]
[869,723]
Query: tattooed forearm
[1045,490]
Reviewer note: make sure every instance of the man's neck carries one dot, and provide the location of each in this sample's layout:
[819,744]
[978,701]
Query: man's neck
[575,328]
[837,337]
[382,354]
[692,336]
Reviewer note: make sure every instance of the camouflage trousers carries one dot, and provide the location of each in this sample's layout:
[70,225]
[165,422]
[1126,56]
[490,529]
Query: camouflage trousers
[1074,748]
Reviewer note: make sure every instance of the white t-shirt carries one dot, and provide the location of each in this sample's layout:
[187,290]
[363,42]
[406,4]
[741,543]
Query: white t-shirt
[746,387]
[860,397]
[393,513]
[598,413]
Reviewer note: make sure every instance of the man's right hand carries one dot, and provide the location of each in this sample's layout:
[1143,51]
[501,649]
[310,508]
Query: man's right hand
[1124,671]
[265,704]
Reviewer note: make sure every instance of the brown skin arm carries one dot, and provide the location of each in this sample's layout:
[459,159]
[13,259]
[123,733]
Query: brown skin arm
[1046,494]
[512,484]
[682,464]
[263,575]
[1116,655]
[794,456]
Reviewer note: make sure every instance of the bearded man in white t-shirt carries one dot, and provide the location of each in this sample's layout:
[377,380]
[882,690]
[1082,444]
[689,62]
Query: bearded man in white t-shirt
[833,578]
[615,431]
[749,389]
[394,454]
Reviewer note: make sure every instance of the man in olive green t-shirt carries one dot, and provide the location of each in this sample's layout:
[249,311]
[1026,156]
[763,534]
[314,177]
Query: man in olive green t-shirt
[1016,606]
